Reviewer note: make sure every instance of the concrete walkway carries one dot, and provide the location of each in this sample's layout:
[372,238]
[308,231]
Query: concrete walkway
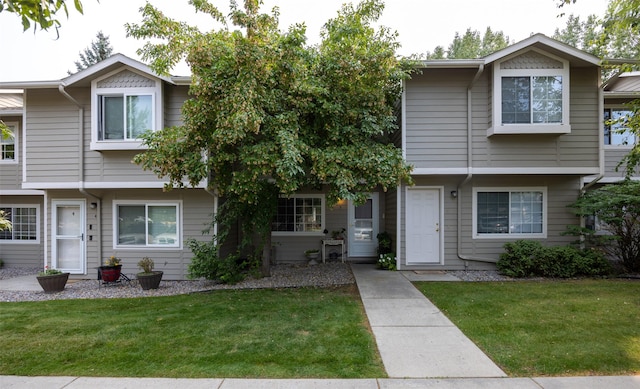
[420,348]
[414,338]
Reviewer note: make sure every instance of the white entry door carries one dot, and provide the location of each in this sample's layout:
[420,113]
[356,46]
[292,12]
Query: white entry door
[423,228]
[67,236]
[363,228]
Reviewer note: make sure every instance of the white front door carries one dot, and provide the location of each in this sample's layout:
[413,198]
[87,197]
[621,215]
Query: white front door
[423,228]
[363,228]
[67,236]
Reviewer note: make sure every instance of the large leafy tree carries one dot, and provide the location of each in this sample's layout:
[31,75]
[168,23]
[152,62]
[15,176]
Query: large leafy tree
[617,209]
[270,115]
[615,35]
[43,13]
[99,50]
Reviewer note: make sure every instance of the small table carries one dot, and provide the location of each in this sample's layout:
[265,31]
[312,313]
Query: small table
[332,242]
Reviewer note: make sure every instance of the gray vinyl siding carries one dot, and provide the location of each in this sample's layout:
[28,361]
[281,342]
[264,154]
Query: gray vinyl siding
[436,125]
[11,172]
[52,137]
[612,157]
[174,98]
[24,254]
[561,191]
[436,118]
[196,212]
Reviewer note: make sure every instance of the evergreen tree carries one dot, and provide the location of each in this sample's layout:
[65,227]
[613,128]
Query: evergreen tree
[99,50]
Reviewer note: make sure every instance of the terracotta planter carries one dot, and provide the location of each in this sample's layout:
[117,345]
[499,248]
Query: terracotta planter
[150,280]
[110,273]
[53,283]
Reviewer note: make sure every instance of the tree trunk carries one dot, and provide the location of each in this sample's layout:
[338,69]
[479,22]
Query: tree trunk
[265,269]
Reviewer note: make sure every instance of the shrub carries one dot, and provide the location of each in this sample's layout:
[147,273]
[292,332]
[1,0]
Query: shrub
[529,258]
[206,263]
[518,260]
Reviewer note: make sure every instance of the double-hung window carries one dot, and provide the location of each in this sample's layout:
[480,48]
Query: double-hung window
[615,131]
[300,215]
[8,144]
[24,224]
[518,212]
[144,224]
[531,95]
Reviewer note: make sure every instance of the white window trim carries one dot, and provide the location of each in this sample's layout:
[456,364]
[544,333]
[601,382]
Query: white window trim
[545,202]
[179,216]
[304,233]
[97,93]
[38,226]
[534,128]
[604,126]
[15,129]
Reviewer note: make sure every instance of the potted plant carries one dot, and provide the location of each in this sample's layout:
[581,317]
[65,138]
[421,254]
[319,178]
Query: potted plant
[111,270]
[337,234]
[312,255]
[148,278]
[52,280]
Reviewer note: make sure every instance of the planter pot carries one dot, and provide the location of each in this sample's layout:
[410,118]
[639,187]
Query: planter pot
[53,283]
[110,273]
[150,280]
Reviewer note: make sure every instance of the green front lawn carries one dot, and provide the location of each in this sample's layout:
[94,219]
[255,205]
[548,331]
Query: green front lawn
[550,328]
[249,333]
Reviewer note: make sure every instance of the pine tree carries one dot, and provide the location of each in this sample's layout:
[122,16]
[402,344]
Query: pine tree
[99,50]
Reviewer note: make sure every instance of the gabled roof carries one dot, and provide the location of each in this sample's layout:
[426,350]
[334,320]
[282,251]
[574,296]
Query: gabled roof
[545,43]
[84,77]
[539,41]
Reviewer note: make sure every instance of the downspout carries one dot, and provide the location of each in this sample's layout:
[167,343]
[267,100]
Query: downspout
[399,198]
[469,173]
[214,194]
[81,169]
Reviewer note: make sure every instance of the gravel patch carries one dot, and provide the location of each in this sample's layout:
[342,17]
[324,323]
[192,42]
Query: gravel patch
[282,276]
[480,275]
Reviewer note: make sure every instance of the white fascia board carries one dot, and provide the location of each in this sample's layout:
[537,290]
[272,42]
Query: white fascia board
[506,171]
[541,38]
[30,84]
[97,185]
[114,59]
[20,192]
[538,170]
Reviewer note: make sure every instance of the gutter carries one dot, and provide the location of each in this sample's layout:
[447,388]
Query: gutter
[81,172]
[469,176]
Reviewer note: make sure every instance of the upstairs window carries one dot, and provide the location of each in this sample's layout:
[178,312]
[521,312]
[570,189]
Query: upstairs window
[615,131]
[8,144]
[125,104]
[530,94]
[536,99]
[124,117]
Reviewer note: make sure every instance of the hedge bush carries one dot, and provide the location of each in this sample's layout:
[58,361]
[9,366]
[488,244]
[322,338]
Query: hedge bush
[526,258]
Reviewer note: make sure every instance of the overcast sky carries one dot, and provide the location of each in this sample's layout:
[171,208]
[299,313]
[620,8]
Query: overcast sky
[421,24]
